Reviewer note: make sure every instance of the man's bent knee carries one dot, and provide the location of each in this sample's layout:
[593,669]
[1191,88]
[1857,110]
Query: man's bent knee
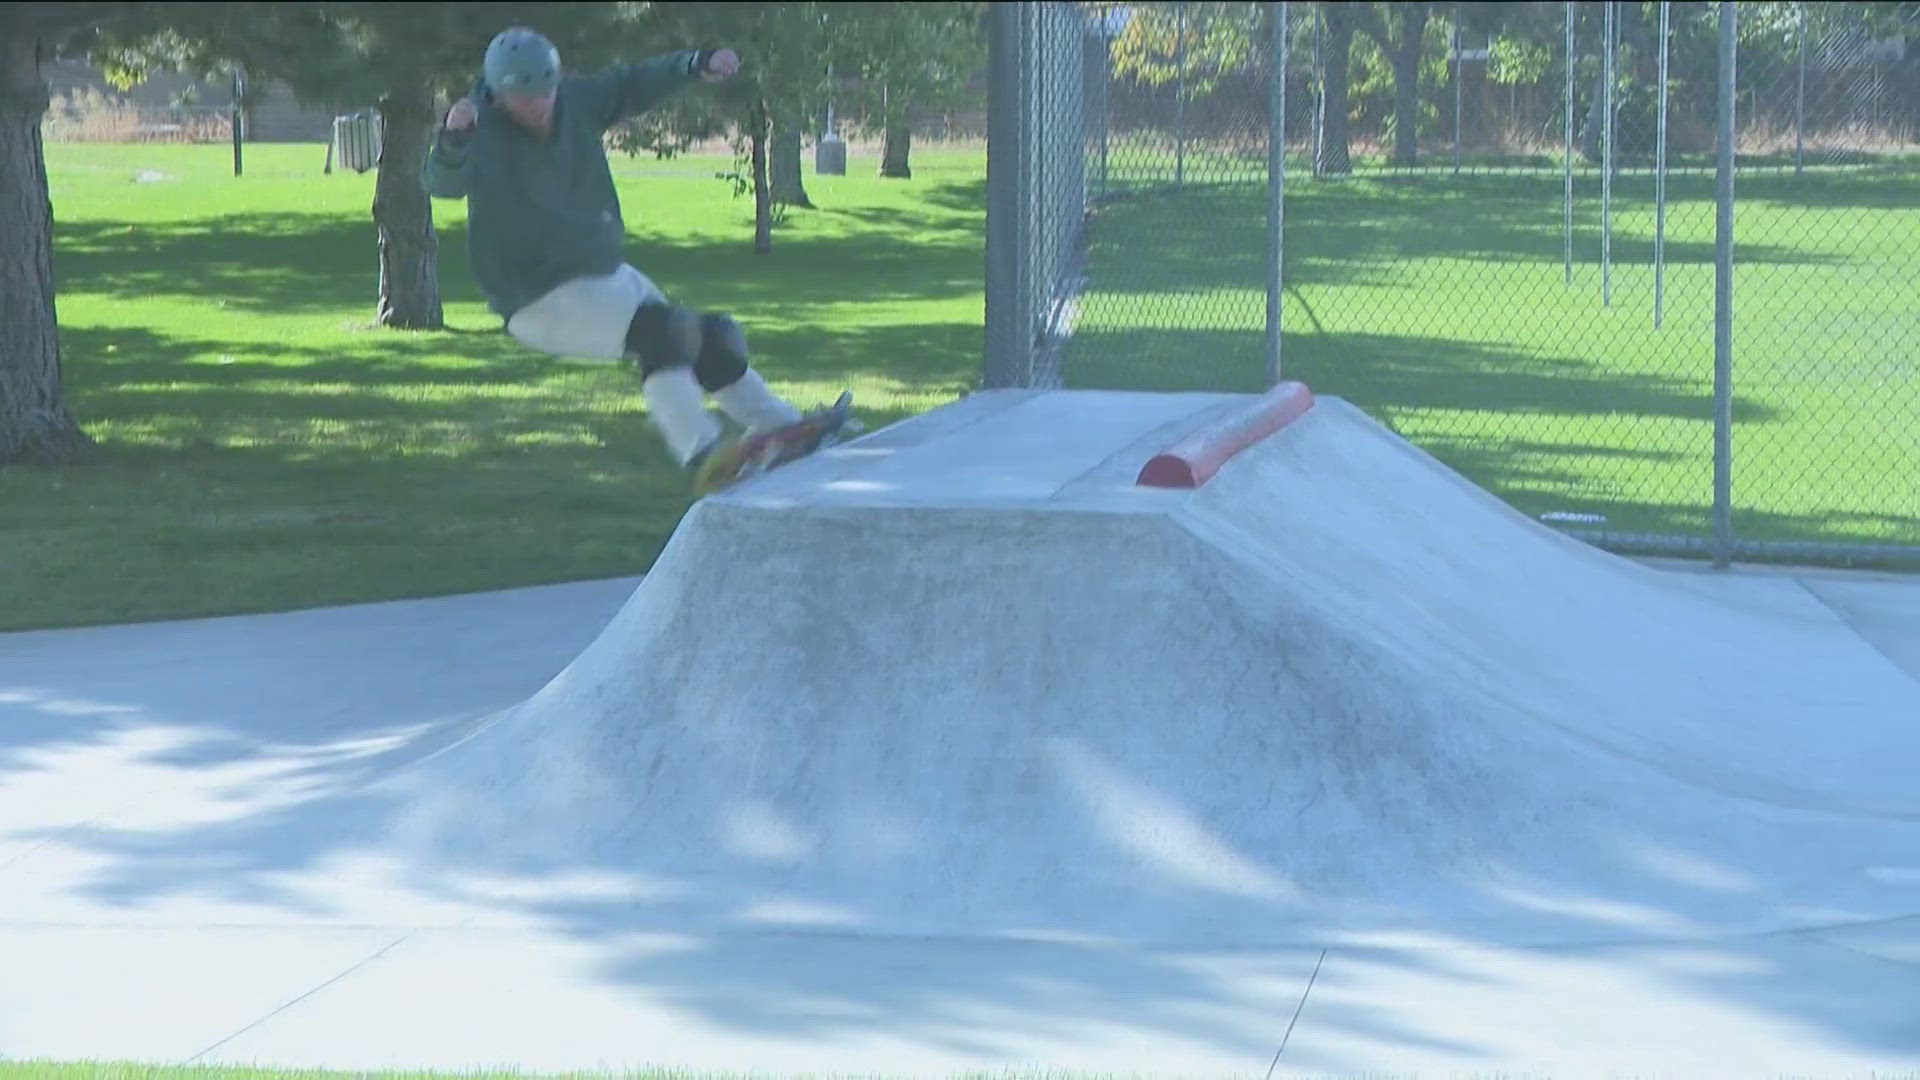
[663,336]
[723,352]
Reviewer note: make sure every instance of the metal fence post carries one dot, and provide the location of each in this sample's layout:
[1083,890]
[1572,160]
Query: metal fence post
[1009,296]
[1180,101]
[1318,77]
[1459,93]
[238,115]
[1038,176]
[1723,300]
[1800,92]
[1660,180]
[1612,23]
[1566,206]
[1276,187]
[1106,64]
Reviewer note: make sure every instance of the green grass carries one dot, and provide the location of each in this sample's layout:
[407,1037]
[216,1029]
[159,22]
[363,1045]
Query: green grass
[264,447]
[1440,306]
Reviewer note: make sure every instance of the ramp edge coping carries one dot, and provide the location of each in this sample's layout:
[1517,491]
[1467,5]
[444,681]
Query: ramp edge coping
[1195,459]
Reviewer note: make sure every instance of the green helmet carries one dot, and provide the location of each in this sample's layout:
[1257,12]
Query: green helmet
[521,62]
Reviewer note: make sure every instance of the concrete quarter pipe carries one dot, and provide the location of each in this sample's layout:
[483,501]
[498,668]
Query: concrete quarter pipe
[980,673]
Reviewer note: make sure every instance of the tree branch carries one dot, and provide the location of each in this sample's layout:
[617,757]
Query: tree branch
[1368,20]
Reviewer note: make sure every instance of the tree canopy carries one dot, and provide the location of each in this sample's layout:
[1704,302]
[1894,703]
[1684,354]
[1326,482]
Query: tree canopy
[794,56]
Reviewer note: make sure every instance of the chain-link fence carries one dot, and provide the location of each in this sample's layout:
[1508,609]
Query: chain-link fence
[1509,231]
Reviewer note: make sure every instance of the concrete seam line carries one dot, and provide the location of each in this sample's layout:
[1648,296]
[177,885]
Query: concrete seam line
[1297,1009]
[1868,953]
[1193,460]
[284,1006]
[1846,619]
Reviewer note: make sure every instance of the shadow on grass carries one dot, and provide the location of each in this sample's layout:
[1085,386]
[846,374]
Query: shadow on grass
[416,381]
[960,196]
[232,479]
[1205,239]
[1197,257]
[1387,372]
[1883,185]
[280,263]
[307,263]
[359,455]
[1576,477]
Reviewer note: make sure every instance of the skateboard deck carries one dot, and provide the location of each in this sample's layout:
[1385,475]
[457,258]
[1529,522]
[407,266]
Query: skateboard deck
[761,452]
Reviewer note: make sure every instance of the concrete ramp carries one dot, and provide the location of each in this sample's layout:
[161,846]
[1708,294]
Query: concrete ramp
[968,676]
[1776,699]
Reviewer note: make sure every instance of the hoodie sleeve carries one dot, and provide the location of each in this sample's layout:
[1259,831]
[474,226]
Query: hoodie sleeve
[628,90]
[445,173]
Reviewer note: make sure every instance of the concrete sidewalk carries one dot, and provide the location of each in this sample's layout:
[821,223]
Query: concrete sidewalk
[100,727]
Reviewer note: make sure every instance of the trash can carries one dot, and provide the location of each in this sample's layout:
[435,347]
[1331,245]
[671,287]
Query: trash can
[830,155]
[356,139]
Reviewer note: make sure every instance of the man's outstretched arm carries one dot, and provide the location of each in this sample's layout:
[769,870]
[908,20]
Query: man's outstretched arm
[628,90]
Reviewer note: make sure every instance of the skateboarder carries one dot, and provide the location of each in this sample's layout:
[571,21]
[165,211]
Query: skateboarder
[545,233]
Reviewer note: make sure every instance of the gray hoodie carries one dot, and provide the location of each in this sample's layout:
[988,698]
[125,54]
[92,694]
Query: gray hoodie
[541,212]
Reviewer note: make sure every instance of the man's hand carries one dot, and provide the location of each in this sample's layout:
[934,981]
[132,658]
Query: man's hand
[462,116]
[720,66]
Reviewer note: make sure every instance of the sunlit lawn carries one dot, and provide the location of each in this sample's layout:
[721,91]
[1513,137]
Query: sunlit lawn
[264,447]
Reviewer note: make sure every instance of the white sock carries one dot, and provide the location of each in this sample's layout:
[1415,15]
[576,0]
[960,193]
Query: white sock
[753,405]
[679,407]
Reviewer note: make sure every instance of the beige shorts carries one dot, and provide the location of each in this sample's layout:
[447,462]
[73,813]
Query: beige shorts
[586,318]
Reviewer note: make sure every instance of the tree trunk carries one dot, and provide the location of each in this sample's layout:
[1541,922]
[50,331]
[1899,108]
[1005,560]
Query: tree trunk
[34,423]
[788,187]
[1406,83]
[762,189]
[1333,157]
[409,249]
[893,152]
[1591,126]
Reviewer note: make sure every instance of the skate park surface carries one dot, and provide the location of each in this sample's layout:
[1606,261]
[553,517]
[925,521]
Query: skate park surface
[956,748]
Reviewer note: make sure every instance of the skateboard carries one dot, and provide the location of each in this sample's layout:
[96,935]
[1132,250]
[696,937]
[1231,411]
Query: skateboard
[761,452]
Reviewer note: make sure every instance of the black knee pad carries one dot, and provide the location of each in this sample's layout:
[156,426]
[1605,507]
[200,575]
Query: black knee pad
[663,336]
[723,352]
